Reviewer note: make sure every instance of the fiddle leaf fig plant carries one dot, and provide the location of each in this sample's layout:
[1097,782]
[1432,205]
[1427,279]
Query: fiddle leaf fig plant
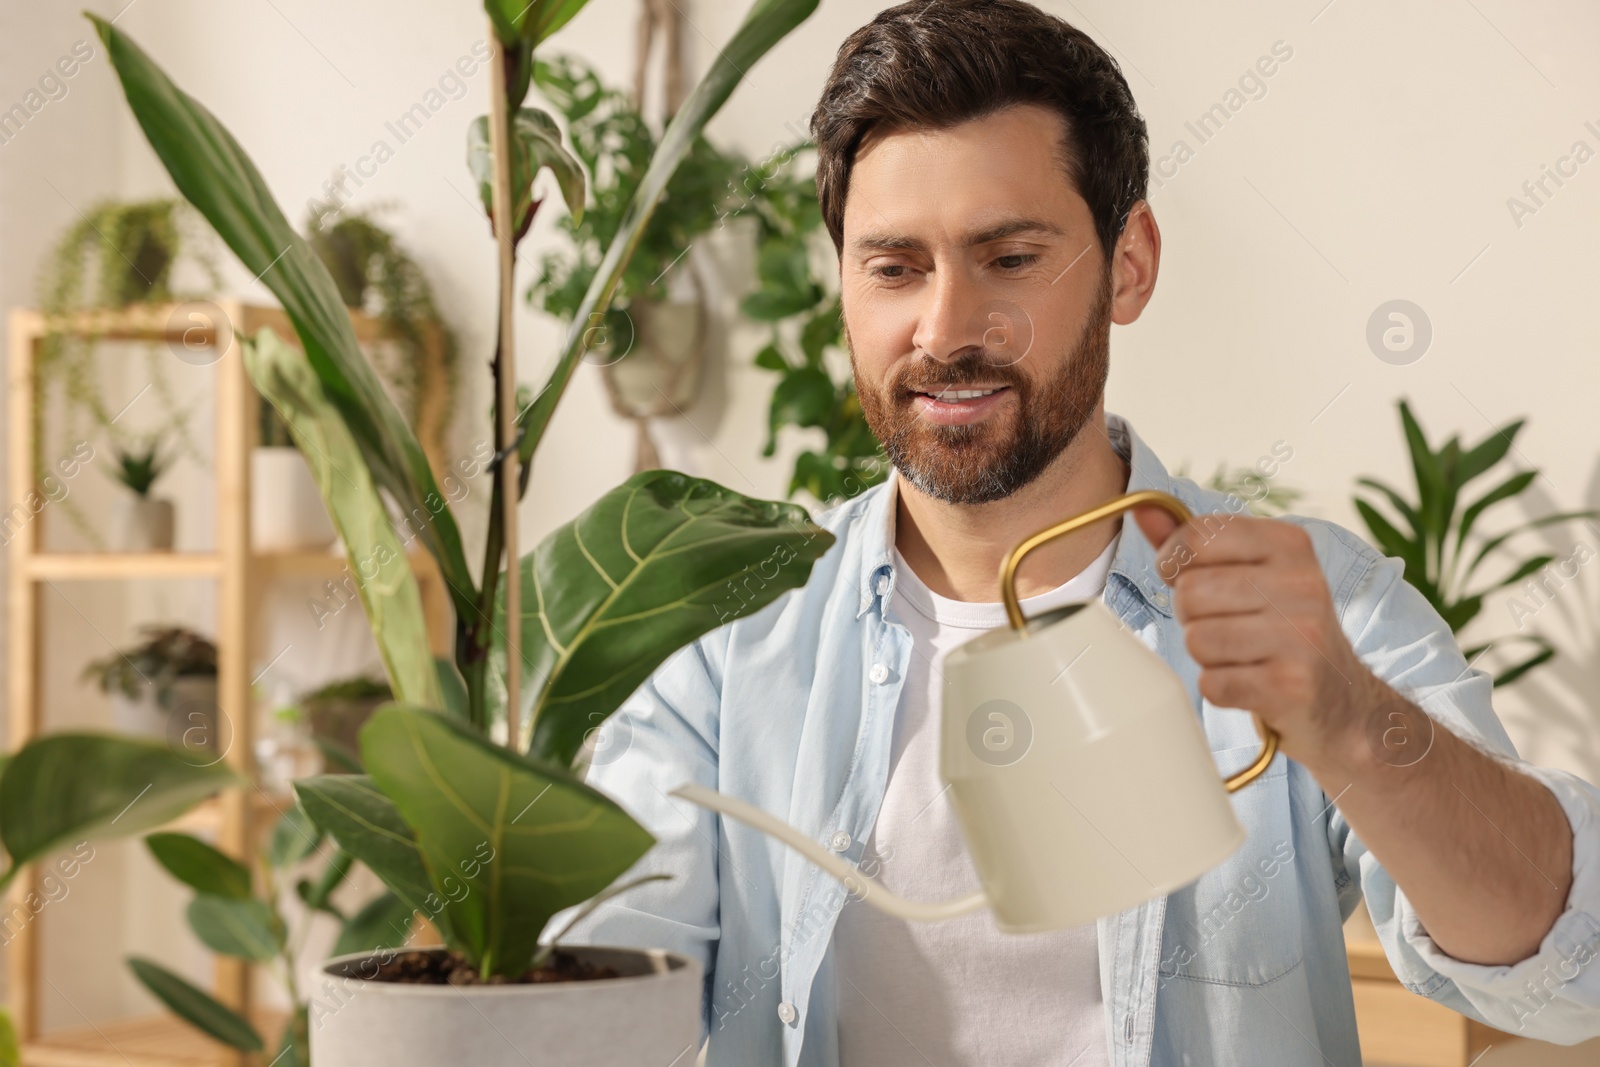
[485,830]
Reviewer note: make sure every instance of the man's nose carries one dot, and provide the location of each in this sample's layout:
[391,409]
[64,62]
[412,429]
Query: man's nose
[947,323]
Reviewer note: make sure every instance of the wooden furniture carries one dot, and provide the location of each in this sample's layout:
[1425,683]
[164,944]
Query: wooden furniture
[1399,1028]
[236,815]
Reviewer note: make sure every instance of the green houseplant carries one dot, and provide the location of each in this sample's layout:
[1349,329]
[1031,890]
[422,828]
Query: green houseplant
[48,803]
[490,840]
[1438,537]
[144,523]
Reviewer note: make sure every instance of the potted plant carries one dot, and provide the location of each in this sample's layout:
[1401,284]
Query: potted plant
[1437,532]
[164,686]
[651,341]
[64,791]
[286,509]
[471,809]
[117,253]
[143,523]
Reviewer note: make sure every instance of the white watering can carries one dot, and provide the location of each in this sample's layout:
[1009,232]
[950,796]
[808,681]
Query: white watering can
[1076,764]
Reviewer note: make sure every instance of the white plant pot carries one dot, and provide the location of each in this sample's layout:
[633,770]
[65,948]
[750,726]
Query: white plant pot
[649,1018]
[144,524]
[286,509]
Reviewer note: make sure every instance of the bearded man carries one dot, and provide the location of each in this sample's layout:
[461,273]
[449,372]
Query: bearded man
[982,172]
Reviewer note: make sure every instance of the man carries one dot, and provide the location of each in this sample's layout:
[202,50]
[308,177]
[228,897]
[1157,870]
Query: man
[981,169]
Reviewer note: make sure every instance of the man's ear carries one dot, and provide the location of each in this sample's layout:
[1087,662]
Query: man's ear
[1135,262]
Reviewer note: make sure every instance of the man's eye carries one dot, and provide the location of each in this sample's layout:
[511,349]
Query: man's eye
[891,272]
[1016,262]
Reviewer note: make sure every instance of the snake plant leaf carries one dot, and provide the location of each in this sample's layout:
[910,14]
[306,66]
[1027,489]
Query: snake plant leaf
[382,922]
[767,23]
[245,928]
[531,22]
[215,174]
[367,825]
[508,841]
[383,576]
[47,800]
[199,866]
[536,144]
[652,565]
[197,1007]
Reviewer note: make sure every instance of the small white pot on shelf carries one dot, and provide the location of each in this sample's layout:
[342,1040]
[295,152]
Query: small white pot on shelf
[144,524]
[286,509]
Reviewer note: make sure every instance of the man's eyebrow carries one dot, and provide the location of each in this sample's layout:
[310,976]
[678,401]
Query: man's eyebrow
[888,241]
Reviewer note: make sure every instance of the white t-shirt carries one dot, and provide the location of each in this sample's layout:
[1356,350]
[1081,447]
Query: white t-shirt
[959,992]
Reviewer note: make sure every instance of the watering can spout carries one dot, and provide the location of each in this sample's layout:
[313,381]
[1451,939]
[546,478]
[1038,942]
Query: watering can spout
[863,887]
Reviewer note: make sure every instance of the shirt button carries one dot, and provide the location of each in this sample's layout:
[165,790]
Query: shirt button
[787,1013]
[1161,600]
[879,673]
[839,841]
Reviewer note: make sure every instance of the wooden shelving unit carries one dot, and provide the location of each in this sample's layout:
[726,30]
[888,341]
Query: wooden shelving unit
[235,816]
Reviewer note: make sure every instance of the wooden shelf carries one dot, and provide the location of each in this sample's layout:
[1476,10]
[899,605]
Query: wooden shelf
[88,566]
[144,1041]
[209,815]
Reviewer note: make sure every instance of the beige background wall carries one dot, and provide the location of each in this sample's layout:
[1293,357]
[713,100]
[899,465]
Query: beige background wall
[1374,164]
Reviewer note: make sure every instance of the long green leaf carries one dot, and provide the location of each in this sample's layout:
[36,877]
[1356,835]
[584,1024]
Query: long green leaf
[507,842]
[1425,466]
[1527,567]
[1400,503]
[199,866]
[214,174]
[1546,653]
[383,576]
[767,23]
[242,928]
[383,922]
[1486,453]
[652,565]
[367,825]
[70,787]
[197,1007]
[1499,539]
[1393,542]
[1504,491]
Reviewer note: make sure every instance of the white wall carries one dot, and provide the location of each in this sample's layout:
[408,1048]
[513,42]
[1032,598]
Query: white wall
[1377,166]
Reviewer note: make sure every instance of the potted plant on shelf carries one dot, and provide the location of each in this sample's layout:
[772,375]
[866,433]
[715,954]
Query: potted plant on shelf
[67,790]
[165,686]
[143,523]
[286,509]
[470,809]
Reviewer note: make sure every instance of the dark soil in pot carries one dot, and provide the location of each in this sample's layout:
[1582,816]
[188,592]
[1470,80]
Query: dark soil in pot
[432,967]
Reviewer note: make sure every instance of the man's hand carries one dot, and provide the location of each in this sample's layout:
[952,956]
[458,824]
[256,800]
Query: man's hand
[1258,618]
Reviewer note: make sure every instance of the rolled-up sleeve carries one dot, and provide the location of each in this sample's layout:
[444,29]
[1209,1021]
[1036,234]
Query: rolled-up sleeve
[1554,995]
[665,735]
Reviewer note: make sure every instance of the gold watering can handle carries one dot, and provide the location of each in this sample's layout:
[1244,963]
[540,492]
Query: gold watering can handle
[1008,593]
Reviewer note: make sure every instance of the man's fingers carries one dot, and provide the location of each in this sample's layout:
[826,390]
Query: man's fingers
[1220,537]
[1157,523]
[1233,640]
[1226,589]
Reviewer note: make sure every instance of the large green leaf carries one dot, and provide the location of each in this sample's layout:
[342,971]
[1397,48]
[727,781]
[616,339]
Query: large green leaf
[383,922]
[294,837]
[383,576]
[536,144]
[367,825]
[652,565]
[243,928]
[767,23]
[197,1007]
[199,866]
[530,21]
[65,788]
[214,174]
[508,842]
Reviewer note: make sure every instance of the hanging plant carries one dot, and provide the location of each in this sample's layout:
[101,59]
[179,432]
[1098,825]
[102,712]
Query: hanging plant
[374,273]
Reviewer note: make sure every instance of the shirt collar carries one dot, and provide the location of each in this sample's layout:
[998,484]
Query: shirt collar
[1134,562]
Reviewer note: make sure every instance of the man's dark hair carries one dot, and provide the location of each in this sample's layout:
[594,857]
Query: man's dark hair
[933,64]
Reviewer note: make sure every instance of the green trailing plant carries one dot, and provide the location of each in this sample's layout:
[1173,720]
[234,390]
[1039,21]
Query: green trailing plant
[807,334]
[166,654]
[117,253]
[1440,541]
[375,273]
[69,789]
[138,466]
[233,918]
[605,599]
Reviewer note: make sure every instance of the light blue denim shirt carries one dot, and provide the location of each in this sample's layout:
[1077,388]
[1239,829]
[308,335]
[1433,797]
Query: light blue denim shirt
[787,709]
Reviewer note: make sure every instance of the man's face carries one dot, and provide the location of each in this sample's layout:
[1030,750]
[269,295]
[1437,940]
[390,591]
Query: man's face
[977,303]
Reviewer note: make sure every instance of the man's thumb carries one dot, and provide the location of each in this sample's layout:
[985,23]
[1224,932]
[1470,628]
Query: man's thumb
[1157,524]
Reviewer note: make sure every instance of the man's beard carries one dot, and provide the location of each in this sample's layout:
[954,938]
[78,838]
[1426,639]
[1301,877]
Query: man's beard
[989,460]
